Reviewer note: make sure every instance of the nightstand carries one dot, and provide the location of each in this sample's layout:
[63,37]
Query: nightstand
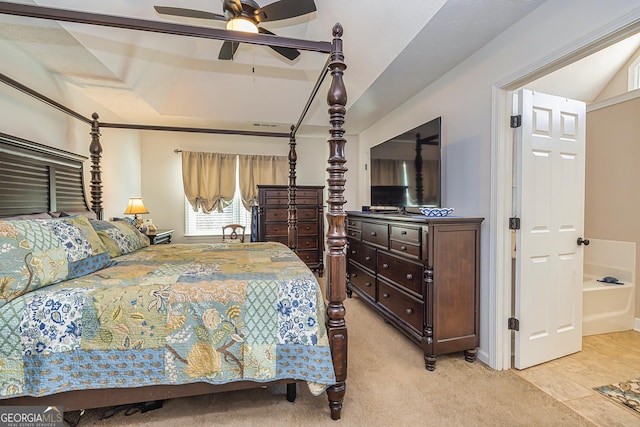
[159,236]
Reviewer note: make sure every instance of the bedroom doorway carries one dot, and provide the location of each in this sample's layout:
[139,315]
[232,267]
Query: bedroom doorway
[503,178]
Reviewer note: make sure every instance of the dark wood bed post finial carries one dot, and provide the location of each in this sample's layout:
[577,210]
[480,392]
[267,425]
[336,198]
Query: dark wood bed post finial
[336,233]
[292,218]
[95,149]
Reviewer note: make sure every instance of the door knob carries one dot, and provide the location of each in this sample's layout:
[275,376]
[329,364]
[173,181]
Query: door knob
[582,241]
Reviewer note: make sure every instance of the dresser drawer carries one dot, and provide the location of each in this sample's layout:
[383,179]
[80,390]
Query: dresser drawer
[309,214]
[375,233]
[405,234]
[308,256]
[362,280]
[403,305]
[277,229]
[307,228]
[307,194]
[306,202]
[354,223]
[273,214]
[354,234]
[279,193]
[362,254]
[405,248]
[404,273]
[284,201]
[307,242]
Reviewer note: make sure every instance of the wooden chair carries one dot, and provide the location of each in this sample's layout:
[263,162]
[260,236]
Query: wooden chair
[233,233]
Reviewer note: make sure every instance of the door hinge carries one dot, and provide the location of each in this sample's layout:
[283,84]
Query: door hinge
[516,121]
[513,324]
[514,223]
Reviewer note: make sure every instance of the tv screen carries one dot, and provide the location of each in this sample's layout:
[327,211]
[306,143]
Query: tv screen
[405,170]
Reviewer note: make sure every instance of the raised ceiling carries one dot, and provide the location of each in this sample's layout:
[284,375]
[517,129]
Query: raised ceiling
[392,51]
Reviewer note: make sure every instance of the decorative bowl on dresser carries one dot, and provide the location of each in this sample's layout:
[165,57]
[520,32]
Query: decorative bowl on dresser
[421,274]
[270,221]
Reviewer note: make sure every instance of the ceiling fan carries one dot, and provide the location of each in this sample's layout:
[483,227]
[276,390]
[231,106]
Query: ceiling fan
[245,15]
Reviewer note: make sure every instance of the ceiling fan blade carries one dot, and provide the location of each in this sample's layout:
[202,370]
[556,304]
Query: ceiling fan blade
[287,52]
[234,6]
[188,13]
[227,50]
[284,9]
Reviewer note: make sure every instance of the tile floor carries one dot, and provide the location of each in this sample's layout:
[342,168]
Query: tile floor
[604,359]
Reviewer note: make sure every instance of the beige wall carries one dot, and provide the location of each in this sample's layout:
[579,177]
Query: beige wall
[162,190]
[612,173]
[619,84]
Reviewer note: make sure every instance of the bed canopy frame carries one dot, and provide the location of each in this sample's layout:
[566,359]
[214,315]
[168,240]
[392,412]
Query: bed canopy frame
[69,164]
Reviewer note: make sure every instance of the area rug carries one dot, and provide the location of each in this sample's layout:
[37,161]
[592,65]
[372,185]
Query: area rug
[625,393]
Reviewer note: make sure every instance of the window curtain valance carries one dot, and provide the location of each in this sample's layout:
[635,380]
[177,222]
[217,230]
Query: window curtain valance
[209,179]
[264,170]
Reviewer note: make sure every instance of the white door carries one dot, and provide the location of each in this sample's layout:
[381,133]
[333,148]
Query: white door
[550,168]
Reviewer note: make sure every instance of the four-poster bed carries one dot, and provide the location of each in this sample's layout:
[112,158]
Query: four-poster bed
[54,165]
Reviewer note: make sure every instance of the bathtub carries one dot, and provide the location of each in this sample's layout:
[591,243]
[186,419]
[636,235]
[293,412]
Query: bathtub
[607,307]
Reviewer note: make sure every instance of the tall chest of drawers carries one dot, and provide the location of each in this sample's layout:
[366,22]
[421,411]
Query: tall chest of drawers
[422,275]
[270,220]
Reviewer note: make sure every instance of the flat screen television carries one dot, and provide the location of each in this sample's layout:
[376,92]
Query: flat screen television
[406,170]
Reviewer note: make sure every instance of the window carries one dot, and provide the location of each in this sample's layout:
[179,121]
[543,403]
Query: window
[634,75]
[210,224]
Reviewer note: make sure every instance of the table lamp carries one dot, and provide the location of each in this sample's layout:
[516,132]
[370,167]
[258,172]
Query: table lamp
[134,208]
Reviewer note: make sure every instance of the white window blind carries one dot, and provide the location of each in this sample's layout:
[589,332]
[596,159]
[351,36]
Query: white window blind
[210,224]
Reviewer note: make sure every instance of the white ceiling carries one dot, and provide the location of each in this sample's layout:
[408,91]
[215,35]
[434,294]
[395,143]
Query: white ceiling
[392,51]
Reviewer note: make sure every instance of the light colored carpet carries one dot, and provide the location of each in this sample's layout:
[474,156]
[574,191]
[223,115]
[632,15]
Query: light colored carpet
[387,385]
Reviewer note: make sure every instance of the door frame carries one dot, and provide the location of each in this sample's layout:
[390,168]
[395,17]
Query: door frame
[500,269]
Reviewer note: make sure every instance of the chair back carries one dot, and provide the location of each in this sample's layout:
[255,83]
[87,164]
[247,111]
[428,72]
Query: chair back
[233,233]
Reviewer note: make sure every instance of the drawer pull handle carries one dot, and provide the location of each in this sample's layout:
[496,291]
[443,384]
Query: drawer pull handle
[403,232]
[409,311]
[354,274]
[386,295]
[368,284]
[367,258]
[409,276]
[403,248]
[353,252]
[373,233]
[307,228]
[385,266]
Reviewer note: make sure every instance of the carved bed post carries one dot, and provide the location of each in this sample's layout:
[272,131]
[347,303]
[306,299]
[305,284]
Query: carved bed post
[95,149]
[336,233]
[292,218]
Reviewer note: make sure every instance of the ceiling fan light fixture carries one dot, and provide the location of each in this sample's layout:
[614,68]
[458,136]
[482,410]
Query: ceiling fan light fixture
[242,24]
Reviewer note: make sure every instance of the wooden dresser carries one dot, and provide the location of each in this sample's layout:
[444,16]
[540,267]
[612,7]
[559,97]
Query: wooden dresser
[422,275]
[270,221]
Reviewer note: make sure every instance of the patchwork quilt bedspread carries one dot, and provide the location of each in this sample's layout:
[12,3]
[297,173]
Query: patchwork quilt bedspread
[170,314]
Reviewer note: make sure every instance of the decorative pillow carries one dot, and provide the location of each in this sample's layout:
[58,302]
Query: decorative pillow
[39,252]
[119,237]
[88,214]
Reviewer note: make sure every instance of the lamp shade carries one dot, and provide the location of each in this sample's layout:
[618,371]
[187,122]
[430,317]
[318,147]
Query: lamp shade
[135,207]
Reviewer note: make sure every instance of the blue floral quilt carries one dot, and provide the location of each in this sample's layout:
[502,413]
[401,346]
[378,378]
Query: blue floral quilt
[169,314]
